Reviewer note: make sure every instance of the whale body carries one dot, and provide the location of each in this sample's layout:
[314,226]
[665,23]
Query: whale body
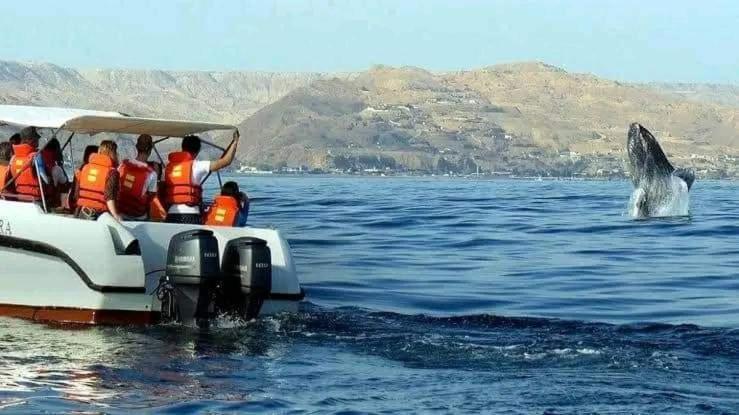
[659,188]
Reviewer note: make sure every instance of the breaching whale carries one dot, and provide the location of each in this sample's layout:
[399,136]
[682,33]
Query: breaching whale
[659,188]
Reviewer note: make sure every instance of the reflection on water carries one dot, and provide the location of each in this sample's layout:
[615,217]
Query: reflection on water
[36,357]
[143,366]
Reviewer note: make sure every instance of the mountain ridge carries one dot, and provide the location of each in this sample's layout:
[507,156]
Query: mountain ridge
[525,118]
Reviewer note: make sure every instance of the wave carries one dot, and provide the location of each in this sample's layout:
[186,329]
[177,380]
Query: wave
[486,341]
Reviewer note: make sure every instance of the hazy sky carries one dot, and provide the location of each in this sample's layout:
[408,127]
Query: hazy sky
[624,39]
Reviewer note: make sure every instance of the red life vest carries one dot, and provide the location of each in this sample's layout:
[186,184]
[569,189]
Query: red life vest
[4,176]
[133,199]
[223,212]
[26,181]
[179,188]
[92,183]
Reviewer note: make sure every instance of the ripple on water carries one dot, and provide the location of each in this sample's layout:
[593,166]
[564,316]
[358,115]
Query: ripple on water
[414,285]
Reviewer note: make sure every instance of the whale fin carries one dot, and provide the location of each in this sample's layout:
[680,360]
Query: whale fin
[688,176]
[647,160]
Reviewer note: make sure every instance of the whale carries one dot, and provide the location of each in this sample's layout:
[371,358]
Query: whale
[659,188]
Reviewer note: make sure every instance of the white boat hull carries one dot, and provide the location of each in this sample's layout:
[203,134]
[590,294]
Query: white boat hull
[59,268]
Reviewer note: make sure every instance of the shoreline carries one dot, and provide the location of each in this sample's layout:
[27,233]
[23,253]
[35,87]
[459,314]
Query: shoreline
[455,177]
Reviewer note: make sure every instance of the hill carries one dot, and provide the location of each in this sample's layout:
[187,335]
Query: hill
[212,96]
[722,94]
[525,118]
[219,96]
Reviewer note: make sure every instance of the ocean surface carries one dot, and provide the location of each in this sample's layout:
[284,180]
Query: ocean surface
[435,295]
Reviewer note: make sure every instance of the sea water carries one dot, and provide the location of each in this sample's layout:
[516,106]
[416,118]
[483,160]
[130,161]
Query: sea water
[430,295]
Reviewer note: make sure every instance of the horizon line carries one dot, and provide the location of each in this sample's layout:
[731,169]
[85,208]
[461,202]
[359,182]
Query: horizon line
[347,72]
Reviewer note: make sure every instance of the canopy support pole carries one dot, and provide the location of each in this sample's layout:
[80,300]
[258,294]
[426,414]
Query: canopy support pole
[159,156]
[66,143]
[41,189]
[71,154]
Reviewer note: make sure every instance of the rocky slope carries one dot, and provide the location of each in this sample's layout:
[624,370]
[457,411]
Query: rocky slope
[722,94]
[524,119]
[217,96]
[528,119]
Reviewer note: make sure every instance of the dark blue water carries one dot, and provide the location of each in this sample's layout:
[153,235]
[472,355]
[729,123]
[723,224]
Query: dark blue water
[436,295]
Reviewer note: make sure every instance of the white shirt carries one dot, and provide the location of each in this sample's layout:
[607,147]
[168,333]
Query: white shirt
[200,170]
[58,176]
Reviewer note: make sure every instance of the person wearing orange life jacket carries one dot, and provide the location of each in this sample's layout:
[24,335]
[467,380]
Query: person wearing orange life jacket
[138,187]
[59,184]
[184,176]
[27,165]
[231,208]
[6,152]
[89,151]
[97,189]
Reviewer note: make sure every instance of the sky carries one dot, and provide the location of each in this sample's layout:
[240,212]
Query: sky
[647,40]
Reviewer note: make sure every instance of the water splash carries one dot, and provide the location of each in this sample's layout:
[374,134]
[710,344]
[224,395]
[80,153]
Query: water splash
[669,197]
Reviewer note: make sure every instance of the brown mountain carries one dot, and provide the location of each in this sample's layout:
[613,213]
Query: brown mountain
[211,96]
[527,118]
[216,96]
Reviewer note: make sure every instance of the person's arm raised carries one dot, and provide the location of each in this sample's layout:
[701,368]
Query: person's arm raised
[228,155]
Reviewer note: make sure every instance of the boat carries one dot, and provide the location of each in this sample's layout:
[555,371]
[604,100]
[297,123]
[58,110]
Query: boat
[61,269]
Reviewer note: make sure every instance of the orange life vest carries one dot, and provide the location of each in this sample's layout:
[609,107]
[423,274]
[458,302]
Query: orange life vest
[92,183]
[178,186]
[133,199]
[4,175]
[223,212]
[26,181]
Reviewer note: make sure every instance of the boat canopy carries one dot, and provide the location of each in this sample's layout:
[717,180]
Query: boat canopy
[93,122]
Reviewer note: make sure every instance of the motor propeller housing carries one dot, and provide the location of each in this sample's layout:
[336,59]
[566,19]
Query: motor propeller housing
[200,286]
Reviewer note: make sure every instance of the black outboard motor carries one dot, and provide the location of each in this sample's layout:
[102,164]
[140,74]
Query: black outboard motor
[193,269]
[247,276]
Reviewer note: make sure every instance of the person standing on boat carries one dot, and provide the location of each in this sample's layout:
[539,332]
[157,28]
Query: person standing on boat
[138,182]
[27,166]
[98,185]
[59,183]
[89,151]
[184,177]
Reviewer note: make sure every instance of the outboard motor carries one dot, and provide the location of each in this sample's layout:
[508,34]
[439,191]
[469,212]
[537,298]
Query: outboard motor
[194,272]
[247,276]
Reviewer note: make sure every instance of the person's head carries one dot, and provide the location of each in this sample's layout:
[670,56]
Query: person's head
[89,150]
[30,136]
[230,189]
[144,145]
[15,139]
[55,149]
[109,148]
[191,144]
[6,152]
